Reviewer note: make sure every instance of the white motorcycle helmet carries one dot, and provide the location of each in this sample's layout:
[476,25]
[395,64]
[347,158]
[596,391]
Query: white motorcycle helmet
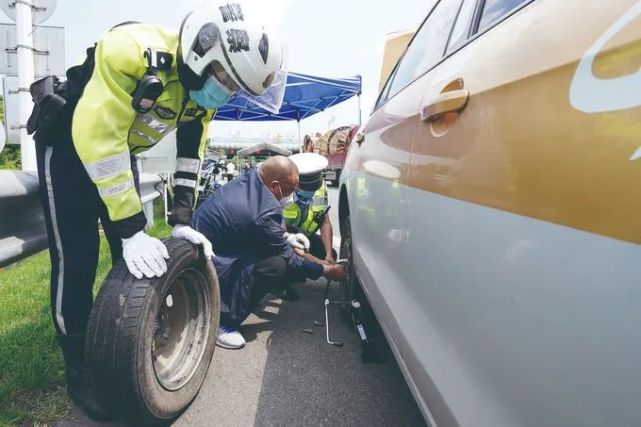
[225,40]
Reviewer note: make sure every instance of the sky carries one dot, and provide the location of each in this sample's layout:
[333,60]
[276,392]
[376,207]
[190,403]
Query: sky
[329,38]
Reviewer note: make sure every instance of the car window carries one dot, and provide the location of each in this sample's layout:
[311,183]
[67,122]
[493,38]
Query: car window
[493,10]
[462,26]
[382,97]
[427,47]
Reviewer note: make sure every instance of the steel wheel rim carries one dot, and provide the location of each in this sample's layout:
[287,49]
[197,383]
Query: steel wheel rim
[181,329]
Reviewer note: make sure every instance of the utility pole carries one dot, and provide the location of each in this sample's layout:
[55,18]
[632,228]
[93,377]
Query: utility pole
[24,47]
[28,15]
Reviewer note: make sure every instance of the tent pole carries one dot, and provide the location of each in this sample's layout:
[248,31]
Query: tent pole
[359,111]
[300,142]
[165,184]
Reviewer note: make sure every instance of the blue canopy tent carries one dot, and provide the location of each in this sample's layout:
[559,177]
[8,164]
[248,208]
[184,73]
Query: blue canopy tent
[304,96]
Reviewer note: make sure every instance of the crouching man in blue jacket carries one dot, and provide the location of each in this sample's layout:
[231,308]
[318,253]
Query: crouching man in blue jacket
[254,254]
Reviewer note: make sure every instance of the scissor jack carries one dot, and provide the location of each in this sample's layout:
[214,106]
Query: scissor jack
[369,352]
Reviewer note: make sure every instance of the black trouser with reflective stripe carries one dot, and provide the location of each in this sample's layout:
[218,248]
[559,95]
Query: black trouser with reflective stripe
[72,207]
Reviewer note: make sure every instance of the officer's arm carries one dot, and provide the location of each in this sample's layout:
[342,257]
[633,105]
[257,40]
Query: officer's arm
[326,230]
[327,236]
[191,140]
[100,127]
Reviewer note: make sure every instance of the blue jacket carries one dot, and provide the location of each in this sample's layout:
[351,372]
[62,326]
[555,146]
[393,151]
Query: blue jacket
[243,219]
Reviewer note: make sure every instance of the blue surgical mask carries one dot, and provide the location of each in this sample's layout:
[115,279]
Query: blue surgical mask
[305,195]
[212,95]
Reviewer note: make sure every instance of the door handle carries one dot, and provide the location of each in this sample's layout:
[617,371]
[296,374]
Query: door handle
[446,102]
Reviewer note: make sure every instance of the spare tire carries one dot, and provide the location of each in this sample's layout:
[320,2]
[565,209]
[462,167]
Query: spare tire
[150,341]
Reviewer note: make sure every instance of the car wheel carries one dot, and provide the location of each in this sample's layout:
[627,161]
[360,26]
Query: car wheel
[349,288]
[379,350]
[150,341]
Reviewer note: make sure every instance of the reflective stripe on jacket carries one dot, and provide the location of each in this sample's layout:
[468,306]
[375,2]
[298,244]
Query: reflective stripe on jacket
[106,129]
[307,218]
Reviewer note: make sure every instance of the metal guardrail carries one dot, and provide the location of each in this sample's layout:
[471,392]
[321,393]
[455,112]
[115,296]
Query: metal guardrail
[22,227]
[22,224]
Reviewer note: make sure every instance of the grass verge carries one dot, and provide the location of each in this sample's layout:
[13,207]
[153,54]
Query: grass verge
[31,367]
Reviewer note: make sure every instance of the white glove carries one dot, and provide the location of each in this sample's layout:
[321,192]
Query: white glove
[298,240]
[145,255]
[181,231]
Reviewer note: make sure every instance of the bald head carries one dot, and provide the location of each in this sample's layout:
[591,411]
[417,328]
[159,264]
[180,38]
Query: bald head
[280,175]
[277,168]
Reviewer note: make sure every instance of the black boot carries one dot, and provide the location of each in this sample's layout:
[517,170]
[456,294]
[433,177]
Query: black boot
[79,385]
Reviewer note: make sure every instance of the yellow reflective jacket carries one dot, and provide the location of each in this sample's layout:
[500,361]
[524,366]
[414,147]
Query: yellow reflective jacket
[308,220]
[106,129]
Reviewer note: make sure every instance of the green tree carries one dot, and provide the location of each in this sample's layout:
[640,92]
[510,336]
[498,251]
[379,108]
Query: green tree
[10,155]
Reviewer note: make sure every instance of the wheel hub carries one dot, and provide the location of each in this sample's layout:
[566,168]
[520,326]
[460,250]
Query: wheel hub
[181,329]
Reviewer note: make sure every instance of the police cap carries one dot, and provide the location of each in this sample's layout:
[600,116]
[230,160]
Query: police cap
[310,170]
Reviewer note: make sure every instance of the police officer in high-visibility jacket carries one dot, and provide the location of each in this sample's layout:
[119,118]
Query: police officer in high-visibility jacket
[138,83]
[307,214]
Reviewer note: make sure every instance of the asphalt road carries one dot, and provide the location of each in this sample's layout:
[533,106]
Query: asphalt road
[285,377]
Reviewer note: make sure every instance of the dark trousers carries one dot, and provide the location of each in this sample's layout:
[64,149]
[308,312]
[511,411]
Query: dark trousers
[245,285]
[72,207]
[317,248]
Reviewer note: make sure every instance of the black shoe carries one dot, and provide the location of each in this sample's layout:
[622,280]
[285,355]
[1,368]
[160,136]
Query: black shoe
[288,294]
[79,385]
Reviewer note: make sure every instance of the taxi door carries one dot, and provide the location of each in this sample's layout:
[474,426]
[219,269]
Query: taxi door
[520,209]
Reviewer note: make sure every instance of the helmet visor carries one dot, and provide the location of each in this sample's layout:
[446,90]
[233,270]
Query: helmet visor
[272,99]
[275,85]
[217,72]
